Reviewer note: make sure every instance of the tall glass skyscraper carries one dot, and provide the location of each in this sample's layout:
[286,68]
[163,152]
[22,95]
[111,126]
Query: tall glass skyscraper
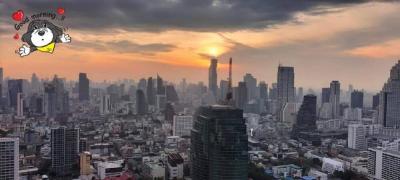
[219,144]
[83,87]
[389,100]
[334,98]
[212,76]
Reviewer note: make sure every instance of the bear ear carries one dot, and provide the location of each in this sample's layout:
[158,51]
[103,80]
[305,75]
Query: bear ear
[26,37]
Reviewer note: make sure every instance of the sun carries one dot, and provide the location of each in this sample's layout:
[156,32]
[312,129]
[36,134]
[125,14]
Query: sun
[213,51]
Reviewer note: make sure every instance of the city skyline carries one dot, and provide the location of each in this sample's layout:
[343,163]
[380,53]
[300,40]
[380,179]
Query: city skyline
[361,37]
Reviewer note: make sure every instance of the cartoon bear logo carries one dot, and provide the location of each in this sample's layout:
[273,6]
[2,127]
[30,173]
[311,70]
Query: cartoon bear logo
[42,35]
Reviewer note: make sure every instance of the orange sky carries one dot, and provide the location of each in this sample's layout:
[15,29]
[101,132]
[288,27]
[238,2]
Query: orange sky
[343,45]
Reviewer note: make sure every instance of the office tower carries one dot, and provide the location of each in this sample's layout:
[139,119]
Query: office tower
[251,84]
[83,87]
[352,114]
[241,99]
[299,95]
[161,101]
[9,158]
[375,101]
[169,112]
[273,91]
[224,88]
[285,85]
[105,105]
[14,87]
[212,76]
[289,113]
[151,96]
[357,99]
[334,98]
[383,164]
[182,125]
[325,96]
[170,92]
[263,88]
[356,137]
[219,144]
[50,100]
[20,105]
[285,88]
[160,86]
[61,96]
[229,94]
[64,149]
[85,158]
[389,100]
[142,84]
[36,105]
[141,104]
[35,84]
[307,115]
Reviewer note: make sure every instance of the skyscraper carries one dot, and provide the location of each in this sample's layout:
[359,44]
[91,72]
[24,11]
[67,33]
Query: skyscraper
[325,96]
[299,95]
[14,87]
[64,149]
[389,100]
[219,144]
[50,100]
[375,101]
[105,105]
[263,88]
[141,104]
[285,88]
[251,84]
[160,85]
[170,92]
[169,112]
[20,105]
[83,87]
[35,84]
[9,158]
[241,99]
[307,115]
[357,99]
[212,76]
[224,88]
[334,98]
[151,96]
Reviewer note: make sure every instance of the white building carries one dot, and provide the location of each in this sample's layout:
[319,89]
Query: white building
[356,137]
[331,165]
[9,160]
[352,114]
[182,125]
[289,113]
[109,169]
[154,170]
[383,164]
[174,166]
[105,105]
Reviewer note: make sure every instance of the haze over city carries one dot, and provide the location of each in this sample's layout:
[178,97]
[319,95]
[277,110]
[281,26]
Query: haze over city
[355,42]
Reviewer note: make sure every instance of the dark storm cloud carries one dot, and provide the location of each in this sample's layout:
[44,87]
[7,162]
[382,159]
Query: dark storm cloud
[124,47]
[197,15]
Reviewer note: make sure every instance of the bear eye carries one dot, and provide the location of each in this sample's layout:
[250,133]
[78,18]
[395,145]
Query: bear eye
[45,25]
[35,27]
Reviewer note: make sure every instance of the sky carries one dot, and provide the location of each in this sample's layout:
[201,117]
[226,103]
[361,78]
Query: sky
[353,41]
